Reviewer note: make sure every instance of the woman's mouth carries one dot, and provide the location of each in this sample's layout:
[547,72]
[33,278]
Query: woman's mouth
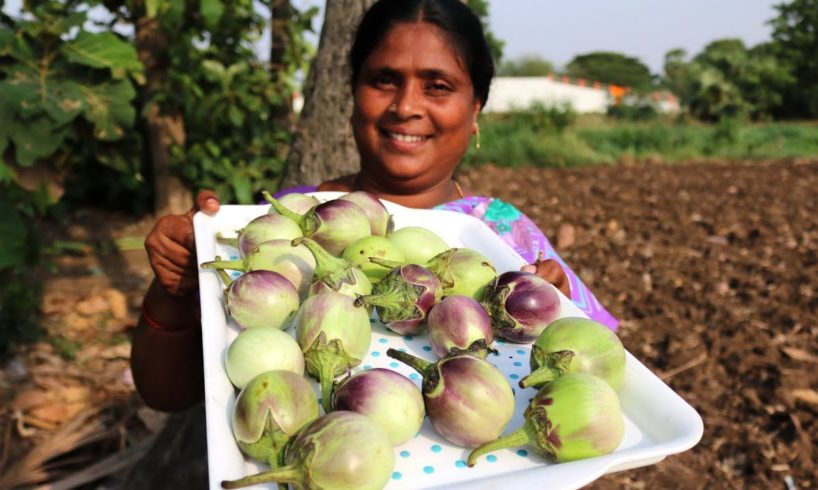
[405,138]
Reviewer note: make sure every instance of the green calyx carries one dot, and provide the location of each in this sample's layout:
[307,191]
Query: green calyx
[331,270]
[281,209]
[324,361]
[394,298]
[547,366]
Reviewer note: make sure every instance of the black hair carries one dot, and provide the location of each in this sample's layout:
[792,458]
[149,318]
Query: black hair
[453,17]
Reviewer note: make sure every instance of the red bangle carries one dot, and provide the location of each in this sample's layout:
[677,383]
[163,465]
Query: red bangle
[152,323]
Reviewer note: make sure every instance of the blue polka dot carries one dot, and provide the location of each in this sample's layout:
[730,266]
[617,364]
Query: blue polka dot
[396,475]
[367,366]
[496,353]
[383,341]
[514,376]
[375,354]
[491,458]
[408,337]
[394,365]
[404,454]
[521,352]
[427,348]
[401,350]
[428,470]
[436,448]
[234,257]
[460,463]
[372,320]
[518,363]
[522,452]
[501,341]
[413,376]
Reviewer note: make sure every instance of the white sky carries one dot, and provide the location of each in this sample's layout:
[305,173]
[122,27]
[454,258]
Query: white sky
[558,30]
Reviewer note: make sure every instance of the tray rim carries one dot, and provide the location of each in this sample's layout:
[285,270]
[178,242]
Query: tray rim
[591,468]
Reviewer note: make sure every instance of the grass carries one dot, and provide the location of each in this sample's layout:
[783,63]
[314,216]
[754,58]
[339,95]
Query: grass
[531,137]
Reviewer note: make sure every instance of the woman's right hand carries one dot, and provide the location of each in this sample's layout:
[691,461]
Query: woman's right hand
[172,248]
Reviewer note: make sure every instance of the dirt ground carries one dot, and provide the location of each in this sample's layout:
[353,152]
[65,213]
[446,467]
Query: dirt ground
[712,268]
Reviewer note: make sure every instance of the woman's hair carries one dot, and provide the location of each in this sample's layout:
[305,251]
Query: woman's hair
[453,17]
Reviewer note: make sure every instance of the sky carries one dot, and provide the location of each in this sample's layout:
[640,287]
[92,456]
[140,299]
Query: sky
[558,30]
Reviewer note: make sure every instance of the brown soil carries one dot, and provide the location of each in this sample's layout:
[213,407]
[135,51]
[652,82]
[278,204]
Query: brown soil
[712,268]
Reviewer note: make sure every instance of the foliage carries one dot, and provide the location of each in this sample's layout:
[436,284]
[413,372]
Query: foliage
[481,8]
[795,41]
[511,140]
[610,67]
[526,66]
[727,80]
[637,110]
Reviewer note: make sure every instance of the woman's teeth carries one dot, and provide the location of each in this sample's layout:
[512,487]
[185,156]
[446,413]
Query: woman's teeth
[407,138]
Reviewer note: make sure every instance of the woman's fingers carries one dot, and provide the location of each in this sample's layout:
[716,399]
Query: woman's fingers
[551,271]
[207,202]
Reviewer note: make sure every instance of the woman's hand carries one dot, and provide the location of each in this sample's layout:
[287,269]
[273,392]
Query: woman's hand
[172,249]
[551,271]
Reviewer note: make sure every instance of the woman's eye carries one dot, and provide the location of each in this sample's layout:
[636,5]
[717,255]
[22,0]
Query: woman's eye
[438,88]
[385,80]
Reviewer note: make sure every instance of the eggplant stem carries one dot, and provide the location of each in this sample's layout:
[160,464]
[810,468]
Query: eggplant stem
[233,242]
[519,437]
[282,209]
[389,264]
[391,298]
[326,379]
[285,474]
[331,270]
[416,363]
[226,279]
[235,265]
[552,366]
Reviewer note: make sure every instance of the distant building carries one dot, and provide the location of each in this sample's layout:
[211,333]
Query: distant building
[510,93]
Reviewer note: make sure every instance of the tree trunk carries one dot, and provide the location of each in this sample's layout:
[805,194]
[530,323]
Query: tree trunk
[281,10]
[322,146]
[170,194]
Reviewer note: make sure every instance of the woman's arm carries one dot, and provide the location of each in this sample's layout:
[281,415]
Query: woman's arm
[166,351]
[166,355]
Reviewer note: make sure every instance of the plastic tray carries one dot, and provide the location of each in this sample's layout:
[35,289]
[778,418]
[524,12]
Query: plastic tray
[657,421]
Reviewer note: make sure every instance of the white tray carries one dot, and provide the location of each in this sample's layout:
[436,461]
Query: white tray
[657,421]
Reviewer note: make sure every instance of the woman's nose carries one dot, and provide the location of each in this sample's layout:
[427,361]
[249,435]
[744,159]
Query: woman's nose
[408,102]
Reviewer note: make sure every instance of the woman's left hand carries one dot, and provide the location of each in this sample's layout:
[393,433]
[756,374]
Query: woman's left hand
[551,271]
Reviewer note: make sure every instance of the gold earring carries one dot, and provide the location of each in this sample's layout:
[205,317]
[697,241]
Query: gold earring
[477,132]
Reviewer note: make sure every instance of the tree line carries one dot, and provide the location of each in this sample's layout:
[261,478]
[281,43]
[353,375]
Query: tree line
[776,79]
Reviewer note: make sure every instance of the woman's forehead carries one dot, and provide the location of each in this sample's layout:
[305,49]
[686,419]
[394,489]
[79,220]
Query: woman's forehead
[417,46]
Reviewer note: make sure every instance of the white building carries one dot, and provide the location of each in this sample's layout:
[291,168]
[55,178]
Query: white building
[510,93]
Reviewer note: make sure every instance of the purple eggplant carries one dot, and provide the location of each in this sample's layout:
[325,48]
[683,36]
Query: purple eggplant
[341,450]
[334,334]
[334,224]
[574,417]
[468,399]
[295,263]
[462,271]
[262,229]
[260,299]
[521,305]
[334,273]
[403,298]
[269,411]
[388,398]
[571,345]
[379,218]
[459,324]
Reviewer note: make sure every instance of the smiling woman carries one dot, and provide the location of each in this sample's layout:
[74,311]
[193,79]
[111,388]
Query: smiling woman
[421,71]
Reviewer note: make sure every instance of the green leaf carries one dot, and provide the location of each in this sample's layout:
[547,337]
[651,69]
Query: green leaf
[212,11]
[242,189]
[109,108]
[30,96]
[36,139]
[152,7]
[235,115]
[104,50]
[15,234]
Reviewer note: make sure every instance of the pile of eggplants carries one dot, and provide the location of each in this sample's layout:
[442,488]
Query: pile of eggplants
[312,272]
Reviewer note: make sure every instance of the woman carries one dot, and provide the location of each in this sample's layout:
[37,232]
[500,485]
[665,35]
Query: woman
[421,71]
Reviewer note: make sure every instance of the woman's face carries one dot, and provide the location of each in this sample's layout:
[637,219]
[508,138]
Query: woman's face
[415,110]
